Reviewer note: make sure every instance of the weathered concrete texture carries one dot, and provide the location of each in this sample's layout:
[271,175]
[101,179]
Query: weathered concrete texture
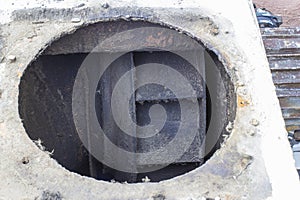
[254,163]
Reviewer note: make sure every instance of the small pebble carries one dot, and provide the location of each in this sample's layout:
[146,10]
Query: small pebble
[37,22]
[159,197]
[31,35]
[12,58]
[252,133]
[229,127]
[105,5]
[25,160]
[240,84]
[80,5]
[215,31]
[1,121]
[146,179]
[254,122]
[75,20]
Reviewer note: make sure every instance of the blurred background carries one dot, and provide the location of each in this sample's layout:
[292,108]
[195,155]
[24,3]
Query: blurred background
[288,9]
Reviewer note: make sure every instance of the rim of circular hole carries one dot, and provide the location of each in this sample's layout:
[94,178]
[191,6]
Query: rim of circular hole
[212,54]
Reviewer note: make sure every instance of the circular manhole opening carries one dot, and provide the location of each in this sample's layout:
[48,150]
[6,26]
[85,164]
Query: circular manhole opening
[127,101]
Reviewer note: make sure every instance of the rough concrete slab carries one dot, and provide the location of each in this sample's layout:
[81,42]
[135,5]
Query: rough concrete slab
[254,163]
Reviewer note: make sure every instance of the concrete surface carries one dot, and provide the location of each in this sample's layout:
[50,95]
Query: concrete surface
[254,163]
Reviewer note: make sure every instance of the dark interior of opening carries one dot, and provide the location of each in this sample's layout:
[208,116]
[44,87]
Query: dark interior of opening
[45,106]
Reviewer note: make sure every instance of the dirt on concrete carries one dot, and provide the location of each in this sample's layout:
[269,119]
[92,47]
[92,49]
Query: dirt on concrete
[288,9]
[249,166]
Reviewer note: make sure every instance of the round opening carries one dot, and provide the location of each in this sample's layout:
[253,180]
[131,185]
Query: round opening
[127,101]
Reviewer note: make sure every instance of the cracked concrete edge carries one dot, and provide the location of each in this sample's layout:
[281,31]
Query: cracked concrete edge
[255,173]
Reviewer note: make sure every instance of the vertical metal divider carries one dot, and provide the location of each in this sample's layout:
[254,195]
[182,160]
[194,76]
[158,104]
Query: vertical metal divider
[92,168]
[134,78]
[115,73]
[197,59]
[203,103]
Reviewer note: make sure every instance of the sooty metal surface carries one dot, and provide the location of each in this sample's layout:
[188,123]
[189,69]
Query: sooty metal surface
[45,106]
[46,102]
[283,51]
